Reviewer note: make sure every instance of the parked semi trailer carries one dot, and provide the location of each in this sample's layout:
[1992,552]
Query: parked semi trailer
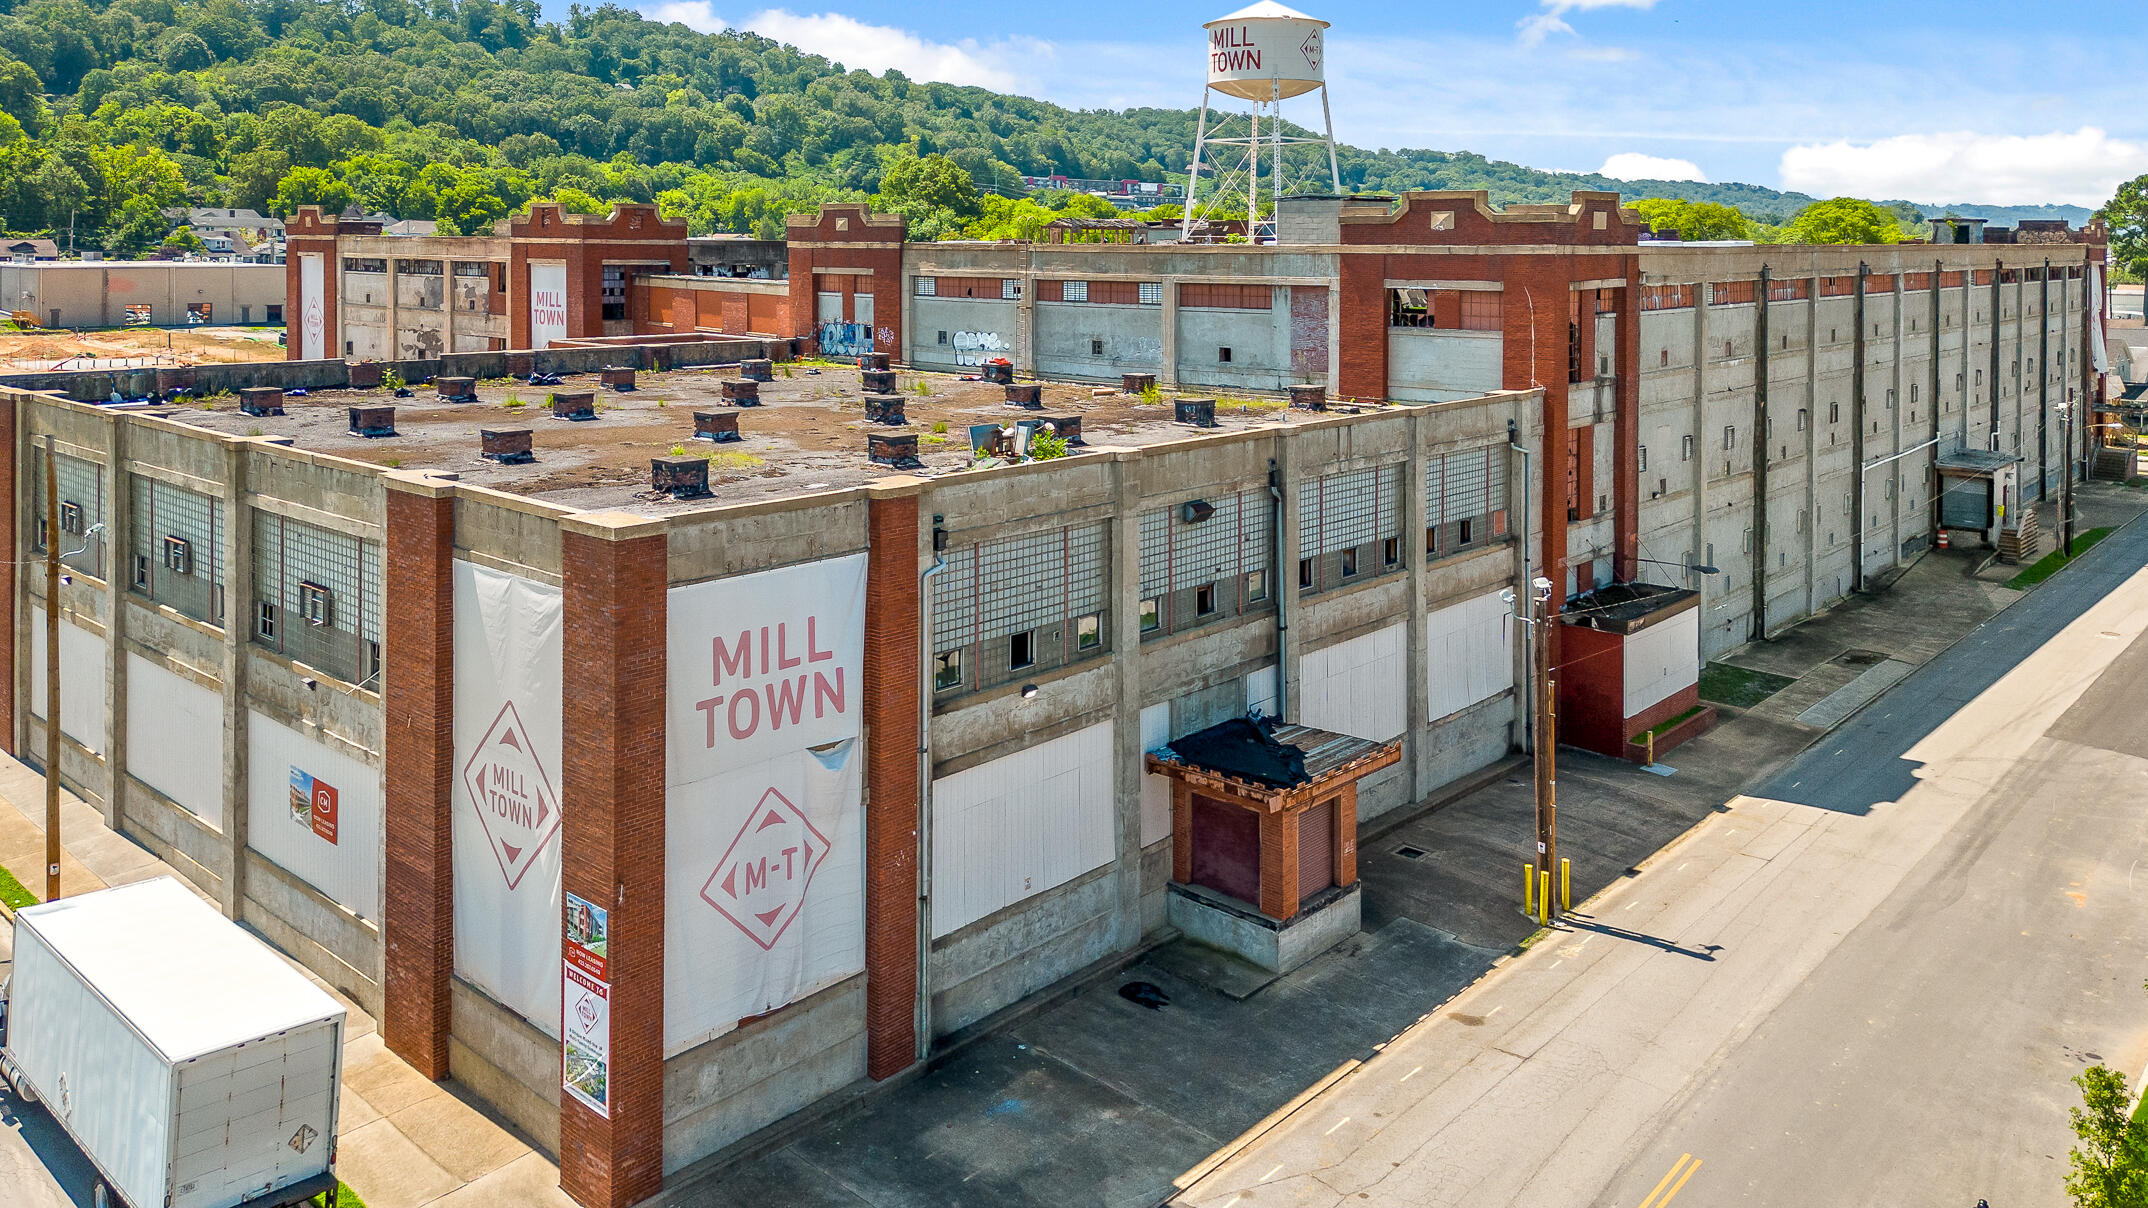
[192,1065]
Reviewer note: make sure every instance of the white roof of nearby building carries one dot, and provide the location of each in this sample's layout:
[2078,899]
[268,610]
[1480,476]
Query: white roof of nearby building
[189,979]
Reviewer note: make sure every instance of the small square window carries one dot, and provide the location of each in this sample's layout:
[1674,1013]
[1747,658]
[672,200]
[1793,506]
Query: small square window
[1151,620]
[70,517]
[1431,540]
[1644,457]
[1021,651]
[141,572]
[1348,562]
[265,620]
[1256,585]
[1150,293]
[943,339]
[1074,291]
[372,662]
[1305,573]
[1010,288]
[313,604]
[178,555]
[947,671]
[1463,529]
[1685,451]
[1096,348]
[1204,600]
[1391,552]
[1089,632]
[928,287]
[1223,356]
[1801,419]
[1730,437]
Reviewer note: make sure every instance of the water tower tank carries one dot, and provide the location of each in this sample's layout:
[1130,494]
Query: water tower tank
[1266,52]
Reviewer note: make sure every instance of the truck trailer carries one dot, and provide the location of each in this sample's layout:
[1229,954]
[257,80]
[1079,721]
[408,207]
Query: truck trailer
[192,1065]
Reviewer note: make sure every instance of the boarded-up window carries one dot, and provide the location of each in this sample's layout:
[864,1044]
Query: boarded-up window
[1480,310]
[1666,297]
[1226,296]
[1730,293]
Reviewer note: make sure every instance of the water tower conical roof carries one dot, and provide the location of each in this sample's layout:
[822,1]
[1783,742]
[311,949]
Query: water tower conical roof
[1265,10]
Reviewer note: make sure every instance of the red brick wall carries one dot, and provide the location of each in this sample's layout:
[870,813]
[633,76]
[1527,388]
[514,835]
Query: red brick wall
[1592,688]
[892,634]
[631,234]
[848,236]
[612,837]
[10,464]
[1278,865]
[417,699]
[308,232]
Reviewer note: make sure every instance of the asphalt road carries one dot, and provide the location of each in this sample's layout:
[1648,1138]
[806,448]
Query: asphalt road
[1867,982]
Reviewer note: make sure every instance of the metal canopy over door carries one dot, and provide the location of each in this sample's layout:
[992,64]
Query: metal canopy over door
[1316,849]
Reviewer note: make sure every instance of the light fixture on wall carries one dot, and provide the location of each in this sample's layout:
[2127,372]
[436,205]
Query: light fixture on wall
[1194,511]
[1029,692]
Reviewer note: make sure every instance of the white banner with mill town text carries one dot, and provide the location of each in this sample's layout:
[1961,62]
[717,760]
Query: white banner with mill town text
[506,789]
[764,826]
[548,303]
[312,310]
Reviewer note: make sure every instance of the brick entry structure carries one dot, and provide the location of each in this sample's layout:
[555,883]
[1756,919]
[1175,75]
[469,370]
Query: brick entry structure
[848,250]
[612,832]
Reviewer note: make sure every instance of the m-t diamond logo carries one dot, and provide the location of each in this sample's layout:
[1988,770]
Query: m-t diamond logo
[514,797]
[760,884]
[1311,48]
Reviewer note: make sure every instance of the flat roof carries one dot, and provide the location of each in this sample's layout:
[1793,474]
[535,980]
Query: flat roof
[809,434]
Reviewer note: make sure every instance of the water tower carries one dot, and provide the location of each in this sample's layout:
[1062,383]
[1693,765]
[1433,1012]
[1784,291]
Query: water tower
[1264,54]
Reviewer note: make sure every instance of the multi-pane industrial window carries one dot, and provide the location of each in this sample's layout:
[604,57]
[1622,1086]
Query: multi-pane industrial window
[1018,605]
[928,287]
[1151,293]
[81,486]
[1202,564]
[1465,500]
[1224,295]
[1073,291]
[1343,521]
[614,294]
[178,555]
[317,597]
[1105,293]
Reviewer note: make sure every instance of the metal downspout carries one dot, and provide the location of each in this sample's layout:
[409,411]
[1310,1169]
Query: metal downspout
[1282,601]
[922,1014]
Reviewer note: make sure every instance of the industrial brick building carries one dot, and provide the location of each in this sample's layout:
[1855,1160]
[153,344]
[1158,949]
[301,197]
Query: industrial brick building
[853,758]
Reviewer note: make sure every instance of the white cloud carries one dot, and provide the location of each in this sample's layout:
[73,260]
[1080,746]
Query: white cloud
[1632,165]
[853,43]
[1533,29]
[1537,27]
[1583,6]
[2080,168]
[1603,54]
[694,14]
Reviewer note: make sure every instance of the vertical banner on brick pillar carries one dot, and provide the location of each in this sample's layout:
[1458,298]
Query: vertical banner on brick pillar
[764,825]
[548,303]
[312,309]
[506,789]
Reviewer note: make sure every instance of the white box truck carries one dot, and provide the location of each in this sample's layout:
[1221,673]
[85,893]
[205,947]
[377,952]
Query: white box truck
[192,1065]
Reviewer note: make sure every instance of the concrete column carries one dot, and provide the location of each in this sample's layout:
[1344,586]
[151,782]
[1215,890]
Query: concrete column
[1859,504]
[612,836]
[1287,594]
[1696,430]
[1126,753]
[119,578]
[1025,324]
[1167,370]
[232,666]
[1763,436]
[1898,469]
[1811,439]
[894,673]
[12,613]
[395,312]
[1417,706]
[418,752]
[1335,348]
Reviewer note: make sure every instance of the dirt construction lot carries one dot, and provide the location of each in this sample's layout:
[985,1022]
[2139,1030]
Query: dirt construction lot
[46,350]
[809,434]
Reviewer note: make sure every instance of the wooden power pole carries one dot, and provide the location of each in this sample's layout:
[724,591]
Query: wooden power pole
[1547,741]
[52,677]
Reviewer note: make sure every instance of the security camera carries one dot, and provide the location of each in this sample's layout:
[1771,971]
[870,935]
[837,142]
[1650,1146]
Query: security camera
[66,580]
[310,683]
[1507,596]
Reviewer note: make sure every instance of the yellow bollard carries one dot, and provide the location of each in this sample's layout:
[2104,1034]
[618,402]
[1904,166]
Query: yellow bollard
[1566,883]
[1528,888]
[1543,902]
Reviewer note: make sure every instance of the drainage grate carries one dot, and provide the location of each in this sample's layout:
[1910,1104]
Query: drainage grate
[1144,994]
[1410,853]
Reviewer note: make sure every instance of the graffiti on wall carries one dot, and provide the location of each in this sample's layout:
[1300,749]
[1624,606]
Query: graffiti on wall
[840,339]
[977,347]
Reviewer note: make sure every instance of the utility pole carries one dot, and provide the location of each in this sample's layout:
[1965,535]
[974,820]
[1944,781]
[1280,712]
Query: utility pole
[1547,740]
[52,677]
[2066,502]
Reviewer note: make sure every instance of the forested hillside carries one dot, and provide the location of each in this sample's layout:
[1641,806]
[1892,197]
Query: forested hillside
[463,110]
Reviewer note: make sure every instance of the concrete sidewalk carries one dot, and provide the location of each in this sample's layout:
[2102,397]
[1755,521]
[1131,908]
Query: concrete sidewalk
[405,1141]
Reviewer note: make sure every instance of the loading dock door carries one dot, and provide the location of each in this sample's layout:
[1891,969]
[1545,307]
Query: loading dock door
[828,308]
[1965,503]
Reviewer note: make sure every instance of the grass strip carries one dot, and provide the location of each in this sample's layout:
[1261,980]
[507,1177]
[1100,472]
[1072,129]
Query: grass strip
[2048,565]
[1739,687]
[12,892]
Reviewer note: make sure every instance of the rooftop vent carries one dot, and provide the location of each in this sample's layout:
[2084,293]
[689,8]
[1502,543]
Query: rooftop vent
[508,446]
[1068,428]
[719,426]
[1309,398]
[878,381]
[364,375]
[616,379]
[873,360]
[891,449]
[372,421]
[456,389]
[757,370]
[574,404]
[1199,412]
[174,380]
[260,400]
[885,409]
[1137,383]
[1029,396]
[679,477]
[1000,372]
[742,392]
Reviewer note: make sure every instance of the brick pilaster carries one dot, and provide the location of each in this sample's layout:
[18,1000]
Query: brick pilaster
[1279,865]
[417,700]
[1346,835]
[892,671]
[612,836]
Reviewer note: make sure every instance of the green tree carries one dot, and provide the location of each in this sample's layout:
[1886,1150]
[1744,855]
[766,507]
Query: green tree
[1843,220]
[2110,1166]
[310,187]
[932,181]
[2126,214]
[21,94]
[1694,221]
[183,239]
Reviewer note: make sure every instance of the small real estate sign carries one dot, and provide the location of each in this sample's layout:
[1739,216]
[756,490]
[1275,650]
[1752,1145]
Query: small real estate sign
[586,1035]
[313,803]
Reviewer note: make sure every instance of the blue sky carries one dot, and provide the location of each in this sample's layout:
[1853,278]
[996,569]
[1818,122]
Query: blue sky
[1973,101]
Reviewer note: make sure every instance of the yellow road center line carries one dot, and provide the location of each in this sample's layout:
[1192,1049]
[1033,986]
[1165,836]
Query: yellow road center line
[1680,1183]
[1668,1175]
